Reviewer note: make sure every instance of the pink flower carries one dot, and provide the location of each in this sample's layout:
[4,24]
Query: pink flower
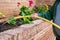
[30,2]
[18,3]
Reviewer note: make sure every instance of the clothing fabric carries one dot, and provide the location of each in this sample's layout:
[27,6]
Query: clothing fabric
[57,38]
[57,19]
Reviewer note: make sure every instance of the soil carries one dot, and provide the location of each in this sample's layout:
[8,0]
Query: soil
[6,26]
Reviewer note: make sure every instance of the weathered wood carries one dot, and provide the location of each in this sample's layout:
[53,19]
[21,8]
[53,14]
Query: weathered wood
[40,31]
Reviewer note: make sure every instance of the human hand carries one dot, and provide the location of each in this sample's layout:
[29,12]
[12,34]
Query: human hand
[34,15]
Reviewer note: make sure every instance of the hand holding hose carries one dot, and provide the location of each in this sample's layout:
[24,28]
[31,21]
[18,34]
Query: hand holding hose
[34,15]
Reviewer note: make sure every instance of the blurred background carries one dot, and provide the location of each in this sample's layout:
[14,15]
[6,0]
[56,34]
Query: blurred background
[9,7]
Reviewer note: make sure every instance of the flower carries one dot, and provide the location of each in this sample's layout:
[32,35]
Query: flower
[30,2]
[46,7]
[18,3]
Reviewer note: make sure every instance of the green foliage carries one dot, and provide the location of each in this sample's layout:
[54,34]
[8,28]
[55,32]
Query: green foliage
[25,12]
[11,21]
[40,9]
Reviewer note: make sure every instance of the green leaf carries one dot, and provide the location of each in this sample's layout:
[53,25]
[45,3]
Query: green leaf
[11,22]
[27,20]
[22,14]
[25,11]
[40,9]
[23,8]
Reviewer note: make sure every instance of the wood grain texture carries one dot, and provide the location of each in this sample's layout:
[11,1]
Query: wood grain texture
[43,2]
[40,31]
[9,7]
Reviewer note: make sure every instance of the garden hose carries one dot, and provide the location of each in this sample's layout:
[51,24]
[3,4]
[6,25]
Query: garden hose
[55,25]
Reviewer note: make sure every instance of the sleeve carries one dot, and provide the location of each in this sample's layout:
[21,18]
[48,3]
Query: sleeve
[48,15]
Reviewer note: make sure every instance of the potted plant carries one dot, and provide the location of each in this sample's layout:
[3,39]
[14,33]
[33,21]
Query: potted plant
[12,23]
[24,11]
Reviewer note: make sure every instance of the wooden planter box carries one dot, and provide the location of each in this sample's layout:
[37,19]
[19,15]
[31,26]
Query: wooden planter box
[39,30]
